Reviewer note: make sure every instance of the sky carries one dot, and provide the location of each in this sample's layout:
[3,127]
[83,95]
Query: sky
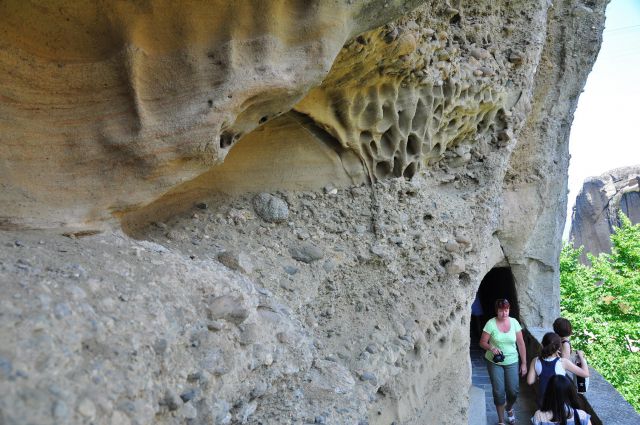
[605,129]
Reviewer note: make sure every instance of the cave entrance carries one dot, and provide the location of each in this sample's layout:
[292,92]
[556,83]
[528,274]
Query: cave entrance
[498,283]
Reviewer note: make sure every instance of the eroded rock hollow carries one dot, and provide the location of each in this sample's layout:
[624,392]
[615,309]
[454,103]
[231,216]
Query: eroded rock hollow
[274,211]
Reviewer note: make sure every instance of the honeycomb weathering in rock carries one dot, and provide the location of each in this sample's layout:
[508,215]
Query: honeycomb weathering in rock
[105,329]
[398,129]
[103,97]
[406,95]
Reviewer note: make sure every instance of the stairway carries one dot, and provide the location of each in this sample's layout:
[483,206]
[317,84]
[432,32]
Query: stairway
[525,406]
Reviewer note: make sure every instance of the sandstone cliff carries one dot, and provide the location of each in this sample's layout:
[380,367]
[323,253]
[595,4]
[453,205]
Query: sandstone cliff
[401,150]
[598,204]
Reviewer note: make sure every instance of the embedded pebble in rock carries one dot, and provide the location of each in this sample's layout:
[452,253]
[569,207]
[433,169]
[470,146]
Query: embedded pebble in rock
[60,410]
[188,411]
[290,270]
[87,409]
[175,235]
[160,346]
[171,400]
[259,390]
[119,418]
[246,410]
[398,240]
[61,310]
[360,229]
[215,325]
[284,337]
[306,252]
[77,293]
[287,285]
[451,246]
[479,53]
[399,328]
[221,412]
[330,190]
[516,58]
[262,354]
[379,250]
[6,366]
[270,208]
[196,377]
[390,36]
[236,261]
[461,239]
[189,395]
[455,266]
[331,376]
[248,335]
[229,308]
[329,265]
[368,376]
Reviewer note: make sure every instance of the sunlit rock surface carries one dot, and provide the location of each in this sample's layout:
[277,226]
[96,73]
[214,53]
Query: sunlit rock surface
[598,205]
[405,149]
[101,98]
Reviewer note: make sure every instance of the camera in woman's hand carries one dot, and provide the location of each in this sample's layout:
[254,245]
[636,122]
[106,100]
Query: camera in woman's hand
[498,358]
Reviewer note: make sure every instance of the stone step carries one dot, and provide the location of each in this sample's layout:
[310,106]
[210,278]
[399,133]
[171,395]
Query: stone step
[477,406]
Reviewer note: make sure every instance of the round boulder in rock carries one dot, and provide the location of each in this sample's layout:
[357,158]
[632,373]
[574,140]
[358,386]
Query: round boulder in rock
[306,252]
[270,208]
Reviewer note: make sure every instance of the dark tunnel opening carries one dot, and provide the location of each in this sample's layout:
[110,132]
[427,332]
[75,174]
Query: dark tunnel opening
[497,283]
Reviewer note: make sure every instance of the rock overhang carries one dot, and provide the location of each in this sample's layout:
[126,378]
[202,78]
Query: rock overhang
[102,97]
[390,145]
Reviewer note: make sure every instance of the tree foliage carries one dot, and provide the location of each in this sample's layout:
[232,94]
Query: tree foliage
[602,301]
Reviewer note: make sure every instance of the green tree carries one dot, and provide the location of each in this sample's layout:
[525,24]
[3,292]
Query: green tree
[602,301]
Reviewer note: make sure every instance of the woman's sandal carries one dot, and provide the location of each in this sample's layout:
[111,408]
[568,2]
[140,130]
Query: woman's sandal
[511,417]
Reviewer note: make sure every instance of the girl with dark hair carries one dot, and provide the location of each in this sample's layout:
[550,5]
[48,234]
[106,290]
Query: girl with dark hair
[549,363]
[500,337]
[562,327]
[560,405]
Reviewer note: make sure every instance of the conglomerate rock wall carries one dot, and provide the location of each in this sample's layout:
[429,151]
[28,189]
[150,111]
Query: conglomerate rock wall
[401,149]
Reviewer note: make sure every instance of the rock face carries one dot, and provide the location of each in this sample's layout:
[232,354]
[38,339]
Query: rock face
[298,202]
[98,99]
[598,204]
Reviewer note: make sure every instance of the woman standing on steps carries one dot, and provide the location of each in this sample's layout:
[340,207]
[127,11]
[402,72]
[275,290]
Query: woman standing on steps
[502,338]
